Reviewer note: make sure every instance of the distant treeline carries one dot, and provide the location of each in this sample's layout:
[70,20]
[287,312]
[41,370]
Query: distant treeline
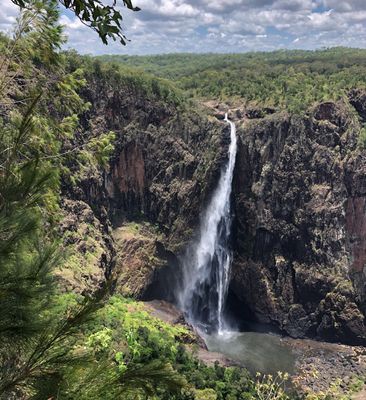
[285,79]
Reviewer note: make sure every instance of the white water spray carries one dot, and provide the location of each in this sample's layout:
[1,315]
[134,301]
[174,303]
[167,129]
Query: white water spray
[208,262]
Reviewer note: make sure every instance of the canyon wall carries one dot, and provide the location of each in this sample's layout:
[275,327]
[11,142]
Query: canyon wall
[300,190]
[299,199]
[166,161]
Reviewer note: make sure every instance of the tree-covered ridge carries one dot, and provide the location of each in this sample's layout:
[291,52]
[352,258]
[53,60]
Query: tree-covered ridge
[132,79]
[291,80]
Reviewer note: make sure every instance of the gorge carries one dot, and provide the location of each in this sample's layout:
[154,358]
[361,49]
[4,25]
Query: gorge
[179,227]
[297,191]
[297,187]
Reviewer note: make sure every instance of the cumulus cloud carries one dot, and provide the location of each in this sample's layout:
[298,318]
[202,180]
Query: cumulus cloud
[8,14]
[342,6]
[223,25]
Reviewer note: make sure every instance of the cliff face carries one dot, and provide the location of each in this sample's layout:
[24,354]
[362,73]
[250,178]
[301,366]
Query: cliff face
[299,196]
[300,190]
[164,166]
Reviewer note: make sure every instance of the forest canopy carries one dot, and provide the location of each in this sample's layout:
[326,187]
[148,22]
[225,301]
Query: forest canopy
[291,80]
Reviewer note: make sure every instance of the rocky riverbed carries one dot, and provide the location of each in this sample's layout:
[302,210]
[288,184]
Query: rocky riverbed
[319,365]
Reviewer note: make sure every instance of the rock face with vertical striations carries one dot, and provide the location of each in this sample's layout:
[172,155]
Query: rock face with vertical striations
[164,166]
[300,191]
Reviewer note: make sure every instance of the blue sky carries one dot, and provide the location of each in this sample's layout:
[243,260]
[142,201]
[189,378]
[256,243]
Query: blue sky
[165,26]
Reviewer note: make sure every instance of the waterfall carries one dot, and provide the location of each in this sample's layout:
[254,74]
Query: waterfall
[207,263]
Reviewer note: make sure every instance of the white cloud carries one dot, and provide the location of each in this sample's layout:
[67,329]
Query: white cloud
[223,25]
[71,24]
[344,6]
[8,14]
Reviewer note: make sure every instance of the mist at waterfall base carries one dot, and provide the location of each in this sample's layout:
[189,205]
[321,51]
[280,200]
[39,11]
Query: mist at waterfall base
[205,283]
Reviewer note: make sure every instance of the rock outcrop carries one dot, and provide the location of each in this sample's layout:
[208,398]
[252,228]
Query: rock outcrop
[300,206]
[88,248]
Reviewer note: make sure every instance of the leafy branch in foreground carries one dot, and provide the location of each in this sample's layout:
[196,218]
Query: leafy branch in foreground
[106,20]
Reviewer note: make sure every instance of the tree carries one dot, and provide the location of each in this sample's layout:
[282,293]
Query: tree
[106,20]
[42,334]
[42,346]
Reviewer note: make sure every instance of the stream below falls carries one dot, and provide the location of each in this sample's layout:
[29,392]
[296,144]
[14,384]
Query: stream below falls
[256,351]
[206,278]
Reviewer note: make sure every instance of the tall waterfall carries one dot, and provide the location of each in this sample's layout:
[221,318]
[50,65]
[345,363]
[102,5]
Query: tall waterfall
[207,263]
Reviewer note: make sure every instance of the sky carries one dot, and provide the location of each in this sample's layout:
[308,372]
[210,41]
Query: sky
[167,26]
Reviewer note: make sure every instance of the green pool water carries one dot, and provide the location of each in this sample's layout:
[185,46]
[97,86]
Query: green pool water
[258,352]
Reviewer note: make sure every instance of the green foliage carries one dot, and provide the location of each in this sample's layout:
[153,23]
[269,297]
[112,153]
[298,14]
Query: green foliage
[270,387]
[291,80]
[43,351]
[362,137]
[122,339]
[105,19]
[30,52]
[124,332]
[205,394]
[140,337]
[28,193]
[34,345]
[102,147]
[25,258]
[67,98]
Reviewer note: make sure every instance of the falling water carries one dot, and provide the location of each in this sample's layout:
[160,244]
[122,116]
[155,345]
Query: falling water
[207,263]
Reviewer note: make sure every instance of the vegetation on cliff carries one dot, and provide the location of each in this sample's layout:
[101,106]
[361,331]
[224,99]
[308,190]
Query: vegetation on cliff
[41,335]
[291,80]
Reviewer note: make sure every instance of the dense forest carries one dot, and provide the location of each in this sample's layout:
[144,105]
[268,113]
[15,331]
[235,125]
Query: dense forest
[291,80]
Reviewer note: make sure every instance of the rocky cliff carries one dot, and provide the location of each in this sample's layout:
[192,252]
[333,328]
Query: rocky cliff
[299,198]
[300,207]
[165,163]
